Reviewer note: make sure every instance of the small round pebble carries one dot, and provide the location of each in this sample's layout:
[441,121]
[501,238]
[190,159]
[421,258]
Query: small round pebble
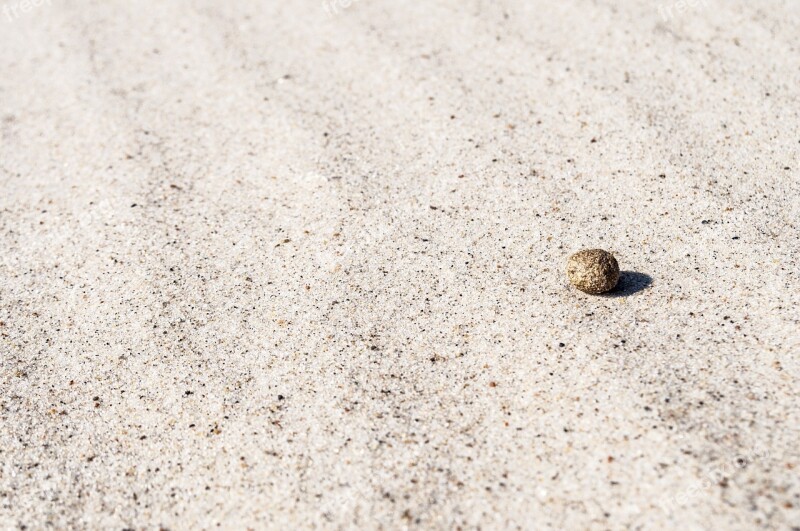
[593,271]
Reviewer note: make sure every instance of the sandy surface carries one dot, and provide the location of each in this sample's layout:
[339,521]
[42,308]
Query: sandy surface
[280,265]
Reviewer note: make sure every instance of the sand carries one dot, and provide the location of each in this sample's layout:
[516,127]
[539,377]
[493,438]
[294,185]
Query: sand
[287,265]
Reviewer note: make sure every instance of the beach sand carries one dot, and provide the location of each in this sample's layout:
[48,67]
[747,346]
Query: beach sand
[287,265]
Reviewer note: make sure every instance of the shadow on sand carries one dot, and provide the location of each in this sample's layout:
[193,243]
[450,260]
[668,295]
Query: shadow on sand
[630,283]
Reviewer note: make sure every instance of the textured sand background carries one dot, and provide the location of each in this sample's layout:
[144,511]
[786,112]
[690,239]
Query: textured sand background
[279,264]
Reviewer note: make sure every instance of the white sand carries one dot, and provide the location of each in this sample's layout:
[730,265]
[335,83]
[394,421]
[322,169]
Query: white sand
[339,298]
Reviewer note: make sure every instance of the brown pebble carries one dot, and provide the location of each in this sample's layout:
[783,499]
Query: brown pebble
[593,271]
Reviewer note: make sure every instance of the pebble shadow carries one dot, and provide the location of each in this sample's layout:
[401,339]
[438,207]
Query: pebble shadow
[630,283]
